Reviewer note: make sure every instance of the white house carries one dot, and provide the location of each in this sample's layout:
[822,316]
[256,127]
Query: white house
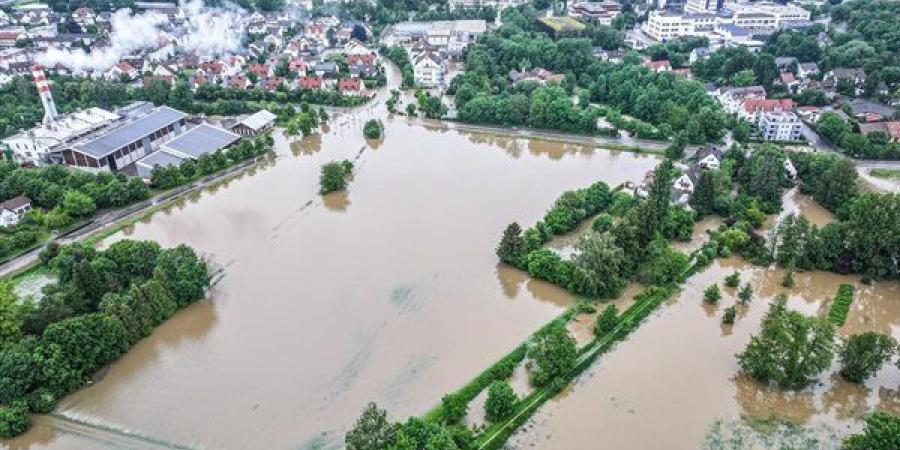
[428,71]
[710,157]
[12,210]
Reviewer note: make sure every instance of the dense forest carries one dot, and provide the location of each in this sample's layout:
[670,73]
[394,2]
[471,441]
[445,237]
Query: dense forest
[669,103]
[103,303]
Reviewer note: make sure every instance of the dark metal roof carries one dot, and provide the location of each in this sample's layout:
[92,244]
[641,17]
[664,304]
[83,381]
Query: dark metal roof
[202,139]
[112,140]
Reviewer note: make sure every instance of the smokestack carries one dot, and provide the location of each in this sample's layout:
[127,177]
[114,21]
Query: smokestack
[43,87]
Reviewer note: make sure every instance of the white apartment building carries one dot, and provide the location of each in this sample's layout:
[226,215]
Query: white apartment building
[732,23]
[779,126]
[765,15]
[428,71]
[703,6]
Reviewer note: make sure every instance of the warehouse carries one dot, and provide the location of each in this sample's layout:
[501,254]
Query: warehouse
[191,144]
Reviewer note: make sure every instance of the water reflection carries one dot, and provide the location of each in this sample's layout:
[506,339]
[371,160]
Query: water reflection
[337,201]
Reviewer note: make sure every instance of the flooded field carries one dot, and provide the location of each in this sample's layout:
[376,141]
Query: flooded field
[389,292]
[677,375]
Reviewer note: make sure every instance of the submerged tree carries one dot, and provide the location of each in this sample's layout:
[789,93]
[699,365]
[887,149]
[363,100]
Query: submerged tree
[334,176]
[501,401]
[553,353]
[882,432]
[791,348]
[606,321]
[512,246]
[863,354]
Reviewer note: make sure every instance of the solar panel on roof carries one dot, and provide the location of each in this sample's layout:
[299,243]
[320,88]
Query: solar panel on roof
[202,139]
[119,137]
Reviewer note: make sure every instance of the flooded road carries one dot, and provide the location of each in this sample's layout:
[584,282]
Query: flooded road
[388,292]
[676,375]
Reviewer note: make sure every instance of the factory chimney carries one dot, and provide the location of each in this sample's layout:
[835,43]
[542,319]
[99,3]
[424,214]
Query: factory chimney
[43,87]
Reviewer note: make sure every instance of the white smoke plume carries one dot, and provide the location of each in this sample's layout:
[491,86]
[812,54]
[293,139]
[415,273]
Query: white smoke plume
[207,32]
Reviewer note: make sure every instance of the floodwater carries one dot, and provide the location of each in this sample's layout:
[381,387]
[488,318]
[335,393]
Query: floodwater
[388,292]
[667,384]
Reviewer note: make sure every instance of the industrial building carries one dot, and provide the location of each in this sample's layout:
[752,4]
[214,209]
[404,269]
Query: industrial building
[130,138]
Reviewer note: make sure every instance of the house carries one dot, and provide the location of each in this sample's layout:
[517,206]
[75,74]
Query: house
[732,98]
[710,157]
[12,210]
[84,16]
[309,83]
[891,129]
[789,169]
[869,111]
[856,76]
[788,80]
[809,114]
[325,68]
[255,123]
[122,70]
[613,56]
[806,70]
[350,86]
[260,70]
[659,66]
[751,108]
[428,70]
[785,63]
[238,82]
[686,182]
[698,54]
[9,38]
[685,72]
[536,75]
[297,66]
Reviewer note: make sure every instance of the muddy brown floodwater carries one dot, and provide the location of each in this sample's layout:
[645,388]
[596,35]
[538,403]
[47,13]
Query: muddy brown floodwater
[389,292]
[677,374]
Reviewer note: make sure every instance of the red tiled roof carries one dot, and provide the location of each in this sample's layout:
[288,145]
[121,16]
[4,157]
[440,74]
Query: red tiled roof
[349,84]
[309,82]
[756,105]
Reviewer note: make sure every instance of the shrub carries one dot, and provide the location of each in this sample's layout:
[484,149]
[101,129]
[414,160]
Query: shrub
[14,421]
[712,295]
[745,294]
[729,316]
[606,321]
[553,352]
[788,279]
[733,280]
[501,401]
[837,315]
[882,432]
[455,407]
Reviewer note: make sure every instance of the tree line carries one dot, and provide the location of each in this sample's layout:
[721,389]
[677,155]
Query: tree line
[102,303]
[864,239]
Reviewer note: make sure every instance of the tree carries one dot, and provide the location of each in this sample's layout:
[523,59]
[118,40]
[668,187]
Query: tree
[836,185]
[501,401]
[333,177]
[703,199]
[745,77]
[712,294]
[882,432]
[18,370]
[10,316]
[606,321]
[511,249]
[863,354]
[763,174]
[791,348]
[832,127]
[373,129]
[553,353]
[372,430]
[601,261]
[76,204]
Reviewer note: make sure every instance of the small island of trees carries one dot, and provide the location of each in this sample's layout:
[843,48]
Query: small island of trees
[334,176]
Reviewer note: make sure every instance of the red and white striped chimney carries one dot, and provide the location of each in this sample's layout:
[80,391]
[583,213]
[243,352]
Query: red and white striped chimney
[43,88]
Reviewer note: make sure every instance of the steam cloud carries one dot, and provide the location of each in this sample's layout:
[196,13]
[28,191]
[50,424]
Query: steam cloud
[208,32]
